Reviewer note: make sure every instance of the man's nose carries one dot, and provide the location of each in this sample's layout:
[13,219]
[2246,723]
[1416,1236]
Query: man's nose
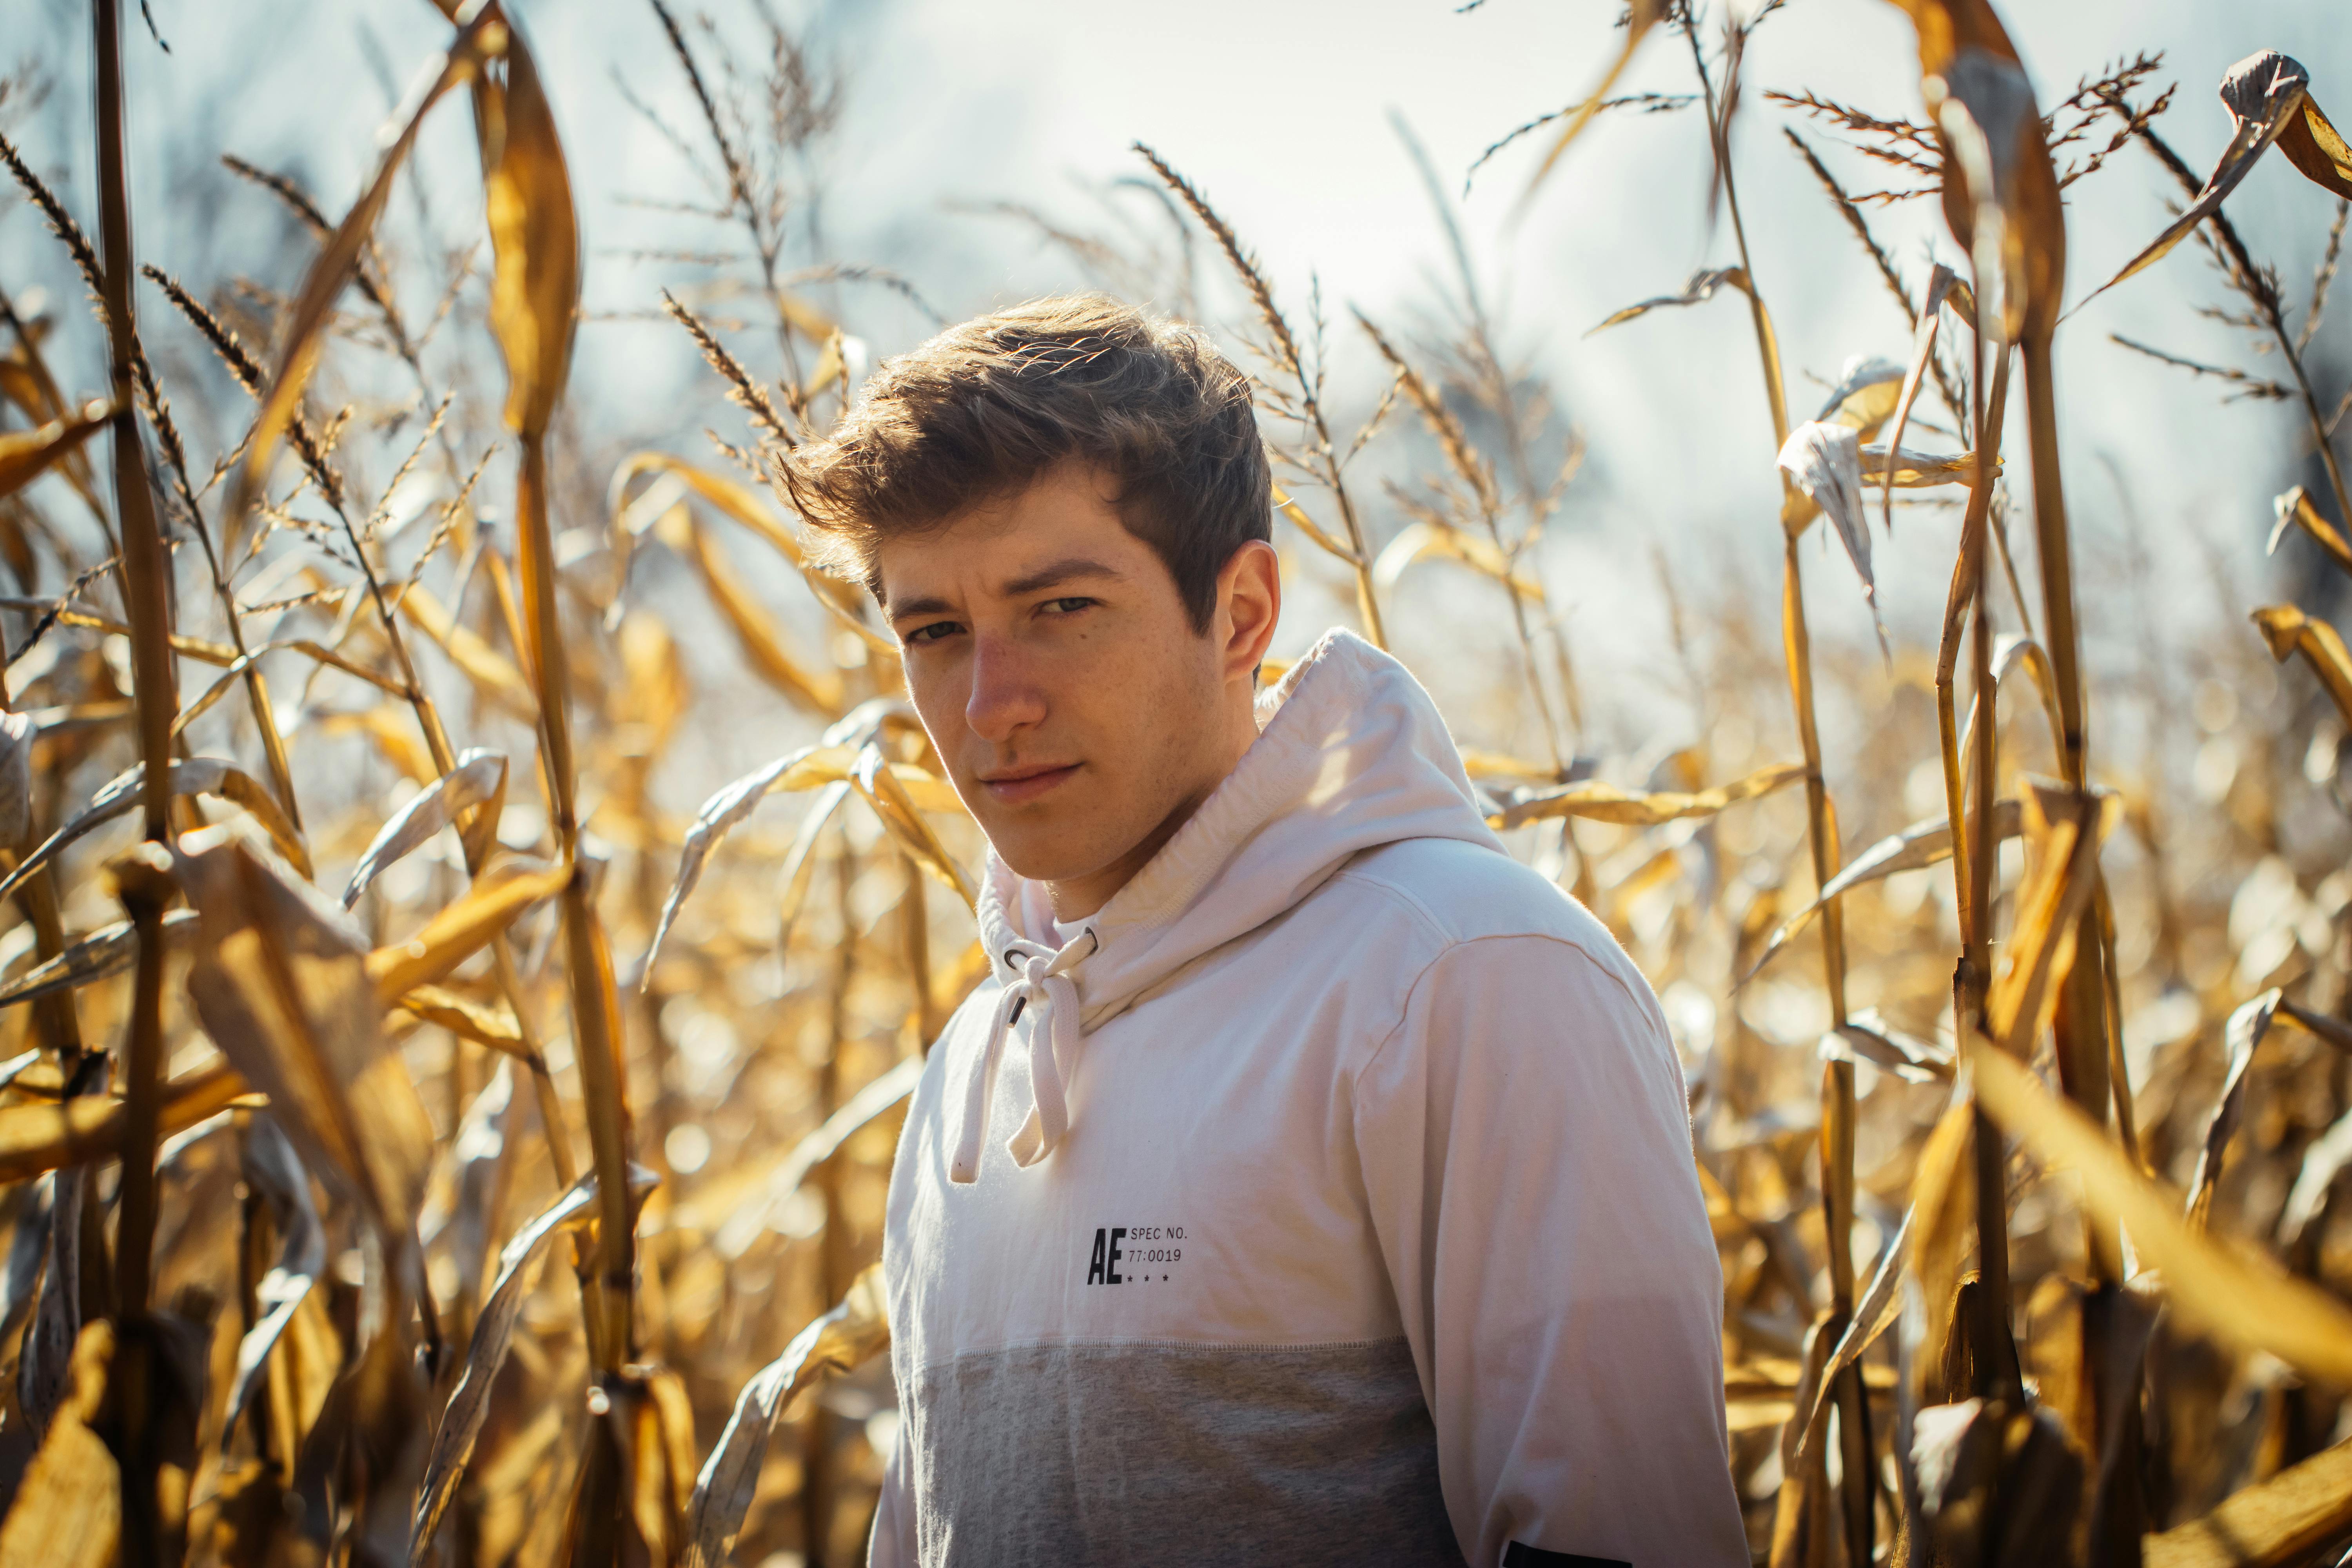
[1006,696]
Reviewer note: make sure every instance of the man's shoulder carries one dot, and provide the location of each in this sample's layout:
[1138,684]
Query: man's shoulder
[1457,891]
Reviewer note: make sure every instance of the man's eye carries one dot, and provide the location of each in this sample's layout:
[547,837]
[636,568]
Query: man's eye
[1068,606]
[935,631]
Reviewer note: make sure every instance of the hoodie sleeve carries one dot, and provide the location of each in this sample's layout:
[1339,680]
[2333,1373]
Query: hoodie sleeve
[891,1543]
[1526,1150]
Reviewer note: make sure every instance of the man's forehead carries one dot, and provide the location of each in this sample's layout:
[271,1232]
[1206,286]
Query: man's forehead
[1011,546]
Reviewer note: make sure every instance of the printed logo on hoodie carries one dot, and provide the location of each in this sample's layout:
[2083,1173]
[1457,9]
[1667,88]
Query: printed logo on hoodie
[1150,1253]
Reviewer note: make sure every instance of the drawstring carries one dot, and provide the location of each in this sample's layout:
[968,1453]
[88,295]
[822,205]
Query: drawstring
[1041,983]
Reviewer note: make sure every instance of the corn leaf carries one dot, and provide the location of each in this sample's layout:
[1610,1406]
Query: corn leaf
[274,1171]
[2293,509]
[1425,541]
[1607,802]
[1306,525]
[2274,1523]
[68,1511]
[1701,288]
[89,1127]
[2246,1029]
[193,775]
[338,262]
[281,984]
[469,1402]
[1921,845]
[496,1028]
[2232,1292]
[494,902]
[2288,631]
[479,779]
[26,455]
[106,951]
[845,1337]
[2265,93]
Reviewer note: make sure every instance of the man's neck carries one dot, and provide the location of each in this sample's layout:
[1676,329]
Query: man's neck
[1082,896]
[1078,897]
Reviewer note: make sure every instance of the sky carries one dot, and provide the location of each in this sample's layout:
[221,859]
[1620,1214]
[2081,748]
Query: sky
[1284,113]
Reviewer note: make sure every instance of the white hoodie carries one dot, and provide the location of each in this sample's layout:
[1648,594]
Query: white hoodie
[1327,1199]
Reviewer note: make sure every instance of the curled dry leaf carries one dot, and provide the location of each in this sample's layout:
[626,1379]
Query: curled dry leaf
[1701,288]
[1903,469]
[743,1225]
[1940,282]
[1864,1037]
[26,455]
[534,234]
[193,776]
[2269,99]
[879,785]
[1874,1314]
[854,1331]
[2246,1029]
[2288,631]
[1865,396]
[826,763]
[2004,209]
[2237,1295]
[2273,1523]
[276,1172]
[1641,15]
[481,40]
[497,897]
[2062,829]
[1606,802]
[469,1402]
[1306,525]
[1944,1211]
[2293,509]
[108,951]
[462,1015]
[17,731]
[479,779]
[68,1511]
[281,984]
[1921,845]
[816,687]
[1824,461]
[1424,541]
[2011,653]
[49,1136]
[2322,1163]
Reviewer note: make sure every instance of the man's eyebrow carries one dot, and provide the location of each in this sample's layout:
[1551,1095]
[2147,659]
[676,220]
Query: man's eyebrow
[1072,569]
[1053,575]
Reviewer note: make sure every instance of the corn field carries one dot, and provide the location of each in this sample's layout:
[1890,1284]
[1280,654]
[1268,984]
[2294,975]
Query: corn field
[421,1142]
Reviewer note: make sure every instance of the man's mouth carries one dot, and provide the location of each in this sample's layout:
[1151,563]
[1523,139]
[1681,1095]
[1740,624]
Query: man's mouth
[1018,787]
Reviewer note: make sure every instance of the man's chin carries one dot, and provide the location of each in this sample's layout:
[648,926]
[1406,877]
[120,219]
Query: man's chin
[1038,855]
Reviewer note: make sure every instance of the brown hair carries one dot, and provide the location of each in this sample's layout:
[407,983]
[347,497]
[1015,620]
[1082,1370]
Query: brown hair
[985,407]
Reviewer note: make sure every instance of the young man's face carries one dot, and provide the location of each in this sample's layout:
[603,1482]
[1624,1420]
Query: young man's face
[1080,715]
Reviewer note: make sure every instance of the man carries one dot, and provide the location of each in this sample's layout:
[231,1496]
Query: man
[1312,1183]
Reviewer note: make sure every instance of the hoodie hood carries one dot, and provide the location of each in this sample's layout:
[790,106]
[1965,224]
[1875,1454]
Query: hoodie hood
[1351,754]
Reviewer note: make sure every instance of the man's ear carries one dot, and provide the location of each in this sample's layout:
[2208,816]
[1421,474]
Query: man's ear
[1249,603]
